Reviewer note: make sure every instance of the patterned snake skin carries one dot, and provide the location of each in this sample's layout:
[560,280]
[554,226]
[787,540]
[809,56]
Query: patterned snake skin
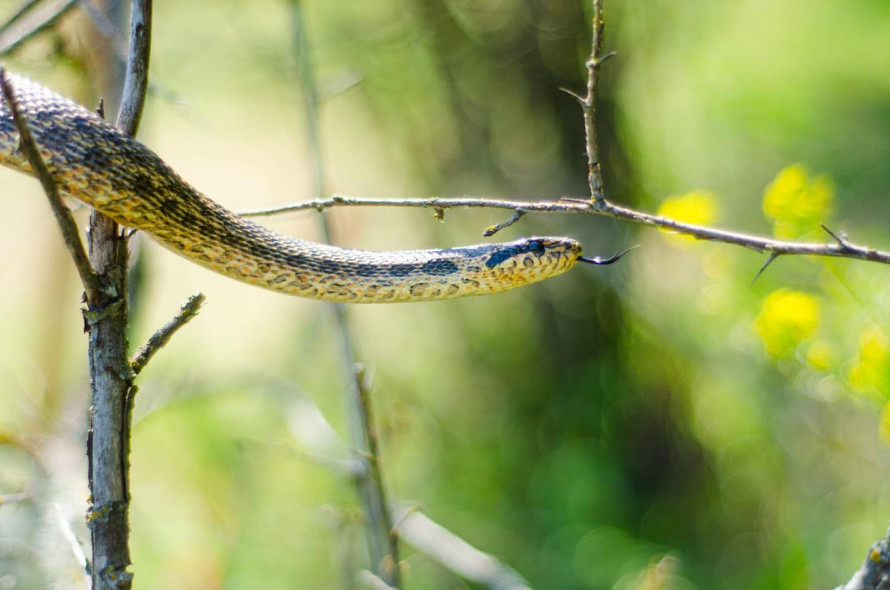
[96,164]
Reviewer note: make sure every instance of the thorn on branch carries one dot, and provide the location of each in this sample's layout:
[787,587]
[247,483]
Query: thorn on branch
[839,237]
[772,256]
[581,100]
[100,110]
[597,62]
[493,229]
[340,86]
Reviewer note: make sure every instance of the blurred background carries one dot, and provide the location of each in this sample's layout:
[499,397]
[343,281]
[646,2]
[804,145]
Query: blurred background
[660,423]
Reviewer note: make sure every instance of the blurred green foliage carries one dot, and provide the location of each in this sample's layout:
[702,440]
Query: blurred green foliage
[663,423]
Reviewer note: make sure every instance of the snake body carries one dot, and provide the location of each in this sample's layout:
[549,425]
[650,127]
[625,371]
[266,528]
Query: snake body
[98,165]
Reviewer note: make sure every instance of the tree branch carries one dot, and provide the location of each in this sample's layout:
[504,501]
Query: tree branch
[588,105]
[22,11]
[446,548]
[838,249]
[19,29]
[599,205]
[382,544]
[136,82]
[110,370]
[875,571]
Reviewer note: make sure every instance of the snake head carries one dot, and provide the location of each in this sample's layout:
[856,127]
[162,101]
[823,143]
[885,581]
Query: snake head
[529,260]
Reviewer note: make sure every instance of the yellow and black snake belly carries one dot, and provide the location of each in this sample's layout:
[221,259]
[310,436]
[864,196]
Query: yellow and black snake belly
[96,164]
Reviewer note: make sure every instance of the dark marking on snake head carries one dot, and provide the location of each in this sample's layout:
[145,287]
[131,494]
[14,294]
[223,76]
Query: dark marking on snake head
[502,256]
[509,251]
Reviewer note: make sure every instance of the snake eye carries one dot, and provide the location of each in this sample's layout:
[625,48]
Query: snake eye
[536,247]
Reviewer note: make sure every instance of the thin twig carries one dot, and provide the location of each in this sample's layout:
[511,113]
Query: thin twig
[70,232]
[157,341]
[414,527]
[68,536]
[588,106]
[13,35]
[446,548]
[14,497]
[373,582]
[136,82]
[24,9]
[493,229]
[374,489]
[382,545]
[842,249]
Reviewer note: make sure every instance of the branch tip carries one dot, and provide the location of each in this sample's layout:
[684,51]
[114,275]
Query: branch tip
[493,229]
[160,338]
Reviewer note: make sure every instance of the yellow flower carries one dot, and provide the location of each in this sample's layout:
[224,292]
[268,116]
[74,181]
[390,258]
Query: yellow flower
[696,207]
[786,319]
[820,355]
[797,203]
[871,369]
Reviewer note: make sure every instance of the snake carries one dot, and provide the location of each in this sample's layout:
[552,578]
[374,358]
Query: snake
[95,163]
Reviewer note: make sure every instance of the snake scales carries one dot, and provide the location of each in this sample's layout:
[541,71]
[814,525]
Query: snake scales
[96,164]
